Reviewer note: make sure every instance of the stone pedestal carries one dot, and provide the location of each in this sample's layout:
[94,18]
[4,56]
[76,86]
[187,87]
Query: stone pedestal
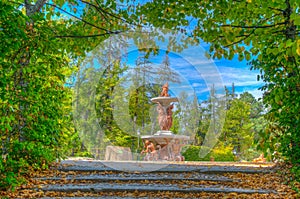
[113,153]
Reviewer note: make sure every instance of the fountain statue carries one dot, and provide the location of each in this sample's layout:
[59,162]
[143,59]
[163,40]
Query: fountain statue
[164,145]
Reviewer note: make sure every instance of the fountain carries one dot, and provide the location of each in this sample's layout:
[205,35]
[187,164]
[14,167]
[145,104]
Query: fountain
[164,145]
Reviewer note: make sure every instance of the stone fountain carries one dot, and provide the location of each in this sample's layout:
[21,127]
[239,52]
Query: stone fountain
[164,145]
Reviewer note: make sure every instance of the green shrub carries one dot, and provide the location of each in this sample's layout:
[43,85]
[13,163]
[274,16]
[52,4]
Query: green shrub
[223,153]
[192,153]
[35,105]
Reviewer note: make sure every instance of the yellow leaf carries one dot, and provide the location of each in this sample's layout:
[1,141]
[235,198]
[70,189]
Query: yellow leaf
[298,51]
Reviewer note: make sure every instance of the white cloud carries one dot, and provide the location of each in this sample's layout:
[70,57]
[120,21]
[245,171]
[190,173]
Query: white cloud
[255,92]
[201,91]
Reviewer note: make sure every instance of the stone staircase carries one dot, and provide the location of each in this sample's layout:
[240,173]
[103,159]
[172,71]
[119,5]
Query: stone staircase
[99,179]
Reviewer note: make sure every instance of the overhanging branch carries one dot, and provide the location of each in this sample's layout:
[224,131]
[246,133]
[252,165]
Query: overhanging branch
[277,9]
[103,12]
[72,15]
[87,36]
[254,27]
[32,9]
[242,39]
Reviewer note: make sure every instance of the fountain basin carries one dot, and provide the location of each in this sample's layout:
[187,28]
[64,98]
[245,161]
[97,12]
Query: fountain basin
[164,139]
[165,101]
[167,146]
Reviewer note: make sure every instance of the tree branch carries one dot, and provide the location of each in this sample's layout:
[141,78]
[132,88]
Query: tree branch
[97,9]
[86,22]
[32,9]
[87,36]
[113,15]
[267,19]
[278,31]
[277,9]
[253,27]
[242,39]
[103,12]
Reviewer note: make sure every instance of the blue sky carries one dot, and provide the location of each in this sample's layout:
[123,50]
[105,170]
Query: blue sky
[198,72]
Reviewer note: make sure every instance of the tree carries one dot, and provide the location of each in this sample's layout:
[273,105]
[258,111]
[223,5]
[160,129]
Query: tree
[40,49]
[263,32]
[259,122]
[35,105]
[186,115]
[257,107]
[237,128]
[105,105]
[165,73]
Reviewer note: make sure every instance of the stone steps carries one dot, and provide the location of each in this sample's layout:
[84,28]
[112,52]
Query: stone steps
[139,177]
[99,179]
[103,166]
[151,187]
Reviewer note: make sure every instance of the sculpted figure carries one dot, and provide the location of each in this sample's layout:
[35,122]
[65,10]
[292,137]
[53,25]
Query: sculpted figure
[162,117]
[169,116]
[165,119]
[149,149]
[176,148]
[165,89]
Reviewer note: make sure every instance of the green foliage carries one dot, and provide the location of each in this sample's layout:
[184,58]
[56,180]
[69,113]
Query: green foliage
[221,153]
[139,106]
[10,173]
[237,127]
[104,105]
[238,130]
[265,33]
[77,147]
[256,107]
[186,117]
[191,153]
[35,118]
[211,119]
